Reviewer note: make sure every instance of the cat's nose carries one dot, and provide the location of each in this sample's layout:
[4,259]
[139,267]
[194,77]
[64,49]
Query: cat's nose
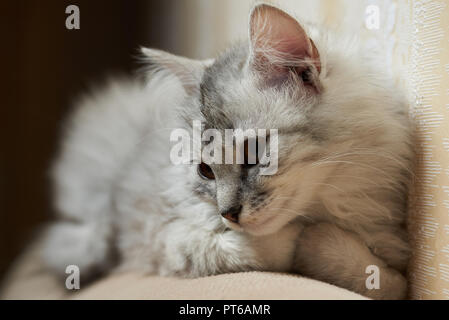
[232,214]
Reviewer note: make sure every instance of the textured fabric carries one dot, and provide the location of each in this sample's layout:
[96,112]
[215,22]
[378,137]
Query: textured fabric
[29,280]
[251,285]
[429,64]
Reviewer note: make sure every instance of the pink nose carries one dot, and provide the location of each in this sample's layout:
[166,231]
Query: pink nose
[232,214]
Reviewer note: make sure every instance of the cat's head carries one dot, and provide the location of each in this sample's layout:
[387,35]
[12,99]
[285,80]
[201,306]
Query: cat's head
[275,80]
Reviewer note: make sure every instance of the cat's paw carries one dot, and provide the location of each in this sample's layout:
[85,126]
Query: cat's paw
[83,245]
[393,286]
[328,253]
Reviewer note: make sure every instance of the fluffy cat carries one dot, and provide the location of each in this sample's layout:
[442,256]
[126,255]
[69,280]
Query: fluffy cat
[336,205]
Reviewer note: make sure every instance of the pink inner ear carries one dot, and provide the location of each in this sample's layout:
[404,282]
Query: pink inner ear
[279,39]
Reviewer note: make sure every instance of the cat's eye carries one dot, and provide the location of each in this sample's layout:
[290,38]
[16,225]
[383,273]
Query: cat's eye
[205,171]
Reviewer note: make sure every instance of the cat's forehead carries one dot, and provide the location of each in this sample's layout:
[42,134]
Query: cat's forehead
[218,79]
[230,97]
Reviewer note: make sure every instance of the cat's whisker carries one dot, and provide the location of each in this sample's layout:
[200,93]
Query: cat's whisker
[330,162]
[365,151]
[274,210]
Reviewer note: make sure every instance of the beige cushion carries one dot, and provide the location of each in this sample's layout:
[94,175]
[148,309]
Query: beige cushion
[29,280]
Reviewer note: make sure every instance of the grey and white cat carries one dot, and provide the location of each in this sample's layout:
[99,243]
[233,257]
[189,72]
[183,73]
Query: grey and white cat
[336,205]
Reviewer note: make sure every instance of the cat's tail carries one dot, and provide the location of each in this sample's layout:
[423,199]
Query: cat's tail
[86,246]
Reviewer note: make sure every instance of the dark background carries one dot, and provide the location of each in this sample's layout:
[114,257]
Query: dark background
[44,67]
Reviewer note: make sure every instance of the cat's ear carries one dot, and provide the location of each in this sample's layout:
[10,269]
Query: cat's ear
[188,71]
[280,45]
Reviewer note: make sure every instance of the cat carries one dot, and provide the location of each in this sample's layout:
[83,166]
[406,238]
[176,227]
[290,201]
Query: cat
[335,206]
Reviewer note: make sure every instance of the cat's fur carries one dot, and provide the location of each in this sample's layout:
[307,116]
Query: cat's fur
[336,205]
